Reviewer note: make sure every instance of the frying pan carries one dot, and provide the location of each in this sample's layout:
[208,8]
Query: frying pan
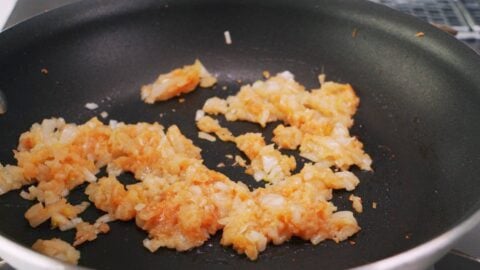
[419,116]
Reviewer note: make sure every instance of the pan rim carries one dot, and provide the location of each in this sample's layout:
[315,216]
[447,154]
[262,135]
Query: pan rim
[408,259]
[440,244]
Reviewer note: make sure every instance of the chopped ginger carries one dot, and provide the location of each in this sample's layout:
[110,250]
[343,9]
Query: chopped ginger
[177,82]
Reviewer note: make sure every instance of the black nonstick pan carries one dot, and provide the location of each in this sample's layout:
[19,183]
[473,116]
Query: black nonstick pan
[419,116]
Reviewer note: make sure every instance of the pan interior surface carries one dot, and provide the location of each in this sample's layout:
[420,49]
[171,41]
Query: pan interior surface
[418,117]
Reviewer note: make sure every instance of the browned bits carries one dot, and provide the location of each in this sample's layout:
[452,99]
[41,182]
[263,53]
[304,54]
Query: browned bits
[420,34]
[266,74]
[354,33]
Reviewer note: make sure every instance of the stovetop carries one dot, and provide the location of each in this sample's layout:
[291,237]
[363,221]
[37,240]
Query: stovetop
[466,253]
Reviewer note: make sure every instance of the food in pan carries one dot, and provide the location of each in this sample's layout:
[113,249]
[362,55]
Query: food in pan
[267,164]
[356,203]
[318,120]
[180,202]
[177,82]
[57,248]
[210,125]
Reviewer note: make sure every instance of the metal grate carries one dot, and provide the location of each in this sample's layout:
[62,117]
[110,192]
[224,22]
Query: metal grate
[461,15]
[471,9]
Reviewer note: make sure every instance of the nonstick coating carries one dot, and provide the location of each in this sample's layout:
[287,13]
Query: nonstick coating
[419,116]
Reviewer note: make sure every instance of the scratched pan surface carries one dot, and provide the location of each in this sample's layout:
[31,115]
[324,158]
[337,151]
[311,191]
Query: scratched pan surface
[419,115]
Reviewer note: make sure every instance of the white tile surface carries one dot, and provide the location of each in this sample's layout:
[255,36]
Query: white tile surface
[6,7]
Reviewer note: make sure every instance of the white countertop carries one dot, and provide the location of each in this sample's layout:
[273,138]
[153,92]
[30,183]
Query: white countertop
[6,7]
